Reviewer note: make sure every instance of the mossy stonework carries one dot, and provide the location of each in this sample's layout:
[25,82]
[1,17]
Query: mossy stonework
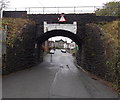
[99,53]
[19,44]
[112,51]
[91,54]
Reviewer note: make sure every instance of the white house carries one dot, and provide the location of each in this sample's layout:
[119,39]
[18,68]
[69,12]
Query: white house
[72,45]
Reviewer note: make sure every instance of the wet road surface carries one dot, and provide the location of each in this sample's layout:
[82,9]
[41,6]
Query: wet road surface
[57,79]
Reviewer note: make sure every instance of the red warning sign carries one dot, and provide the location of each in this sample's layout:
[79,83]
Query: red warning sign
[62,19]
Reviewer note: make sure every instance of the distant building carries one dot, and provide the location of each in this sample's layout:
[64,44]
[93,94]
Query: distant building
[45,46]
[60,44]
[51,44]
[67,45]
[72,45]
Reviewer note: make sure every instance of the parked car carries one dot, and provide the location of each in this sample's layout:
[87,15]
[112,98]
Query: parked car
[63,50]
[52,51]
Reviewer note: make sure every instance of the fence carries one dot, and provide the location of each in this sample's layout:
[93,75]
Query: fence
[57,10]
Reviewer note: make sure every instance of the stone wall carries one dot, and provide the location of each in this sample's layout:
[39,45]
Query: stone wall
[15,14]
[91,55]
[22,54]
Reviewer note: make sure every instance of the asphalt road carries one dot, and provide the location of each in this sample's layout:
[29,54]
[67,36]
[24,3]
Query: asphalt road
[57,79]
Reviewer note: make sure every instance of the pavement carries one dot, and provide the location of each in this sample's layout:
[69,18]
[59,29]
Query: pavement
[56,77]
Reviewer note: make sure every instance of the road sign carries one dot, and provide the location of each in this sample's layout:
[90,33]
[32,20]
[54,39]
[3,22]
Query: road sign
[62,19]
[77,48]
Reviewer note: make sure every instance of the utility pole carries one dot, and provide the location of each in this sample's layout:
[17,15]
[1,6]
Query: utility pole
[1,7]
[65,44]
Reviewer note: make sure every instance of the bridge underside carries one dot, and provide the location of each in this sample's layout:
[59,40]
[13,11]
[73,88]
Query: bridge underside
[42,38]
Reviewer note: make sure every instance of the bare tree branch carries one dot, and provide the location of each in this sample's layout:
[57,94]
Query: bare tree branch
[4,4]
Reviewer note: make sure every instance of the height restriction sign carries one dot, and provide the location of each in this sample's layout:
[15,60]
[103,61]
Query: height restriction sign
[62,19]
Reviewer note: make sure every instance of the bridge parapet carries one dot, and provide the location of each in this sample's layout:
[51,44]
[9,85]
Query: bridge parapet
[68,27]
[57,10]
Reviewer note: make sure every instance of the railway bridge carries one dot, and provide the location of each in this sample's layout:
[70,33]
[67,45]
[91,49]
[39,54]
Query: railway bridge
[61,78]
[79,27]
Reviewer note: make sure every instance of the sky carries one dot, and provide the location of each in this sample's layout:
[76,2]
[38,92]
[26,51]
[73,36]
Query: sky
[56,3]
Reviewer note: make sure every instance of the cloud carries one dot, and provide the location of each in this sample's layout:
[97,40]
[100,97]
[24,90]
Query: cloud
[55,3]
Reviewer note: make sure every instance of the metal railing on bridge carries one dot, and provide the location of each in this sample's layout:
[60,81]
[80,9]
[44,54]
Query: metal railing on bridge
[57,10]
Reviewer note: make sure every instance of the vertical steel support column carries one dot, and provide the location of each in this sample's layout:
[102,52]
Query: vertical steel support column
[74,10]
[29,10]
[43,10]
[58,10]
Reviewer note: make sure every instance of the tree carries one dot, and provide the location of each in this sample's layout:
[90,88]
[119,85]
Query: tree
[3,4]
[109,9]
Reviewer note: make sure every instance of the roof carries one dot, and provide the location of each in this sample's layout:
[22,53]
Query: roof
[60,40]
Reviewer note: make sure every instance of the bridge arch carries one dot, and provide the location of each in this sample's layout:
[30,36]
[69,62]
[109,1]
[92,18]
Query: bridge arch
[42,38]
[91,54]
